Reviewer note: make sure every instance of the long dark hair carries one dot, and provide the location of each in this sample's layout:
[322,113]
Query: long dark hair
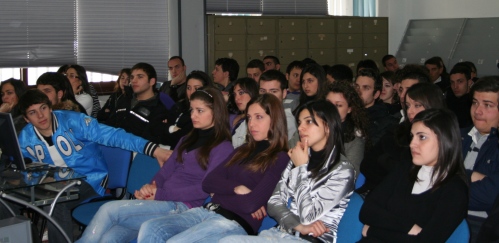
[430,96]
[213,98]
[357,119]
[19,88]
[82,76]
[390,77]
[198,75]
[329,115]
[450,159]
[318,72]
[249,86]
[277,135]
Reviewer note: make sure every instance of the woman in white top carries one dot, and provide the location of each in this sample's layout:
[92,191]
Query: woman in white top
[77,76]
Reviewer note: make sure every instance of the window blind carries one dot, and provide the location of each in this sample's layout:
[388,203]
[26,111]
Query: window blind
[115,34]
[37,33]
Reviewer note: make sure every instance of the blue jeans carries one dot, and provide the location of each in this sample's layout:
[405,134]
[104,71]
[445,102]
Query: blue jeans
[194,225]
[272,235]
[120,221]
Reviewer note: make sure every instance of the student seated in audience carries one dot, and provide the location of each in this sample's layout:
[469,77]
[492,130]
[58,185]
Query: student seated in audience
[408,76]
[313,87]
[480,150]
[119,92]
[71,139]
[10,91]
[308,61]
[240,187]
[458,98]
[339,72]
[393,147]
[438,73]
[272,63]
[274,82]
[315,188]
[175,88]
[254,69]
[182,124]
[177,186]
[389,95]
[354,120]
[224,75]
[84,92]
[245,89]
[143,113]
[422,201]
[390,63]
[59,91]
[368,84]
[313,83]
[293,73]
[368,63]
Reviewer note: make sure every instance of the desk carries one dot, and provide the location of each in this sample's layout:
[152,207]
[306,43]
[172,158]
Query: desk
[34,187]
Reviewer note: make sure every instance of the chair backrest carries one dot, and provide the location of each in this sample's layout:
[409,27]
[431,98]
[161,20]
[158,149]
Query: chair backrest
[267,223]
[350,227]
[360,181]
[118,164]
[461,233]
[142,171]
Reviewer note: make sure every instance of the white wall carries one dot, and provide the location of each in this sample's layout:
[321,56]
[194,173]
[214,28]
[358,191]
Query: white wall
[401,11]
[187,37]
[193,34]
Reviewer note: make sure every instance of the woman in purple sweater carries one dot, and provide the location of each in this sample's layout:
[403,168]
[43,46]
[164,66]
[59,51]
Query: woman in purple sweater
[240,188]
[177,186]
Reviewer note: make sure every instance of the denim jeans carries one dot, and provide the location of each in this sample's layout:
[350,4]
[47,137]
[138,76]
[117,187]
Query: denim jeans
[120,221]
[193,225]
[272,235]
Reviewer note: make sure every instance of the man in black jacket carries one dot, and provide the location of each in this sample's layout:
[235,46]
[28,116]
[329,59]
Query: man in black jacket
[458,98]
[143,113]
[175,88]
[368,84]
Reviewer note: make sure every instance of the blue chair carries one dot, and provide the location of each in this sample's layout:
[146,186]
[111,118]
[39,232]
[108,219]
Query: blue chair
[461,234]
[350,227]
[142,171]
[118,163]
[267,223]
[361,179]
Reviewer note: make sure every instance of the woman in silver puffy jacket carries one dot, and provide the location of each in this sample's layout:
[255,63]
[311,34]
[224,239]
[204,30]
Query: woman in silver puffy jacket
[315,188]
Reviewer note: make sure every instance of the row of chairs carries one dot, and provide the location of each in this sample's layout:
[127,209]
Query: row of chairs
[132,176]
[125,174]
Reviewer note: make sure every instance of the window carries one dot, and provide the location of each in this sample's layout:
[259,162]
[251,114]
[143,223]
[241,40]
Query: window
[6,73]
[340,7]
[35,72]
